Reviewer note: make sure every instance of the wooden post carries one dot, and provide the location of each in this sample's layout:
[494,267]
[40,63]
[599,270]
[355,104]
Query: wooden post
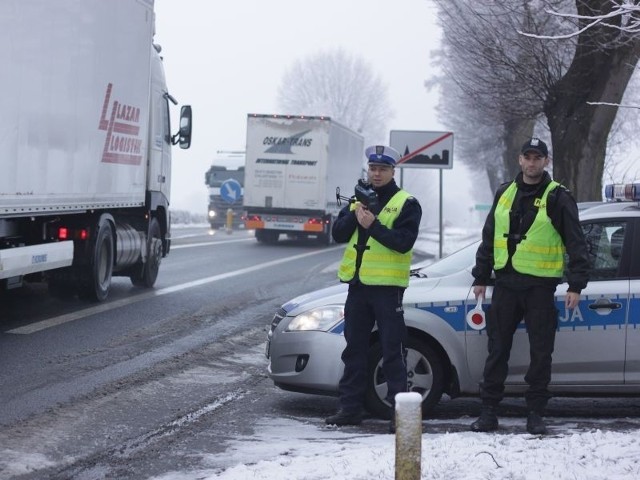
[408,414]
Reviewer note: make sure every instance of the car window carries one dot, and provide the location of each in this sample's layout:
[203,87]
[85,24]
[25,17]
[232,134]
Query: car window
[604,248]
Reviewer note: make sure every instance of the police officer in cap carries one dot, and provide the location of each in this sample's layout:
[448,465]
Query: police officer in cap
[376,264]
[532,224]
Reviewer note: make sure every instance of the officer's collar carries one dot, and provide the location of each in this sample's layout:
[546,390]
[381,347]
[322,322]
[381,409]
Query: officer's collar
[530,187]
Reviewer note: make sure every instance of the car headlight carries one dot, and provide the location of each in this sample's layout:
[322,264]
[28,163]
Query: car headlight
[321,318]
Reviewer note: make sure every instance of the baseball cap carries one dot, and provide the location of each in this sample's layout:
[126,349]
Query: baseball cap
[382,154]
[536,145]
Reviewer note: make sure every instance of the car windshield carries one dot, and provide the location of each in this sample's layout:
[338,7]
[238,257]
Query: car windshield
[459,260]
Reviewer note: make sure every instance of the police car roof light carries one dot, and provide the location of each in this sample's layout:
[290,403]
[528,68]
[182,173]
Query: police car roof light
[620,192]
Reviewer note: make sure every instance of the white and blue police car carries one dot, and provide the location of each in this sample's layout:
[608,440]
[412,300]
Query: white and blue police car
[597,348]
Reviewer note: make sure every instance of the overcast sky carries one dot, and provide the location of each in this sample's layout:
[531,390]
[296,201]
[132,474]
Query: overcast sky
[227,59]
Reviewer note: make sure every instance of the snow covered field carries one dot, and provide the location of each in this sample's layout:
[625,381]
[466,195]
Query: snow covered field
[293,450]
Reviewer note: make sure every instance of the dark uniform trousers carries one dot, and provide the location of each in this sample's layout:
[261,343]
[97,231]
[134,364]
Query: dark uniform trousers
[365,306]
[508,307]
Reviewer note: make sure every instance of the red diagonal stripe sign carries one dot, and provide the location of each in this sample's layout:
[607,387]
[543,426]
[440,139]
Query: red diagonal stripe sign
[424,147]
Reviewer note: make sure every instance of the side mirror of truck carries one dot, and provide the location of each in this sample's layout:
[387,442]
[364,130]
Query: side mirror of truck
[184,134]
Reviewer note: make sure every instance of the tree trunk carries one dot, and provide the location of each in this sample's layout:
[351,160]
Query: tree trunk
[604,62]
[495,179]
[516,132]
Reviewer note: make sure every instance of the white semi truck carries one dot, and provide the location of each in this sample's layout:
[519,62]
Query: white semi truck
[293,166]
[85,145]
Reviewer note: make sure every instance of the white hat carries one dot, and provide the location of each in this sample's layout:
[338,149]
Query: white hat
[382,154]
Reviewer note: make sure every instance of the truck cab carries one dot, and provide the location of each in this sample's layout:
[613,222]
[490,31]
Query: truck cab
[225,183]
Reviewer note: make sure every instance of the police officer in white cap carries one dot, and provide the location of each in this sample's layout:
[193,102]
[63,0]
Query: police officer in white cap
[376,264]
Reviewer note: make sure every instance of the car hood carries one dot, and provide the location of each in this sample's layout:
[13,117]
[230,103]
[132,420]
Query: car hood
[335,294]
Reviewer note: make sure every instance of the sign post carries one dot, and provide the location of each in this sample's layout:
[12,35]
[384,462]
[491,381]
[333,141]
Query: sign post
[424,150]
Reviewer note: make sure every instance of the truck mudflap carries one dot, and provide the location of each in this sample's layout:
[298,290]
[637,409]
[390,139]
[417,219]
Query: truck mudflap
[35,258]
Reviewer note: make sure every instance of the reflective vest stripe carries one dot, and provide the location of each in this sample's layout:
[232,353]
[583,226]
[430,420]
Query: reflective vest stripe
[380,265]
[541,252]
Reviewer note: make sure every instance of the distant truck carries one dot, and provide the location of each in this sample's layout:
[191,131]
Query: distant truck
[85,148]
[293,166]
[225,182]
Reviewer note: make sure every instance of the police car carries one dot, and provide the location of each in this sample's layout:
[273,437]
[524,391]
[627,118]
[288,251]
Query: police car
[597,348]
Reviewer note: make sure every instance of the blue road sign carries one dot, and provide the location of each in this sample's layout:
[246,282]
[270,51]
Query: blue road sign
[231,191]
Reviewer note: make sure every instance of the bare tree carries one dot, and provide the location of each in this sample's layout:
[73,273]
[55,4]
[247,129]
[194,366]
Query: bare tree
[341,86]
[572,68]
[478,138]
[496,81]
[621,163]
[605,59]
[627,12]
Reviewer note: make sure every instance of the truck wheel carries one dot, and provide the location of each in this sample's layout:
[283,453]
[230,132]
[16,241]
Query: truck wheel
[147,273]
[424,372]
[95,279]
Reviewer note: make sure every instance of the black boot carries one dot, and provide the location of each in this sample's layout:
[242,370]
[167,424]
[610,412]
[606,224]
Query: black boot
[343,417]
[487,421]
[535,424]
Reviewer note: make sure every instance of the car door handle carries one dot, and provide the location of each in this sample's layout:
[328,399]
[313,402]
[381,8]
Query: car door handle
[607,306]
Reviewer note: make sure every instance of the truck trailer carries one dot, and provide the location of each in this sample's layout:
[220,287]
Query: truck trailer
[85,148]
[293,166]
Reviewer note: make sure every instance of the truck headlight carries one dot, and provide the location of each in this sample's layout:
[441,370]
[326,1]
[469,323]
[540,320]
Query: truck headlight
[321,318]
[212,213]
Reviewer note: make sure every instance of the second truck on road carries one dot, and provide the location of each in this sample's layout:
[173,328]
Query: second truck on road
[292,168]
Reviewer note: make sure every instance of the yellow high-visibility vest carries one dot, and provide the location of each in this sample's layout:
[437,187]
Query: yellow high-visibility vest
[380,265]
[541,252]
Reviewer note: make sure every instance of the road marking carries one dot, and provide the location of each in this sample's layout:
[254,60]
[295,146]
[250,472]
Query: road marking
[70,317]
[207,244]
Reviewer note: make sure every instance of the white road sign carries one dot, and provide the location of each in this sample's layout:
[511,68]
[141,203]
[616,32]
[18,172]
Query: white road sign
[423,149]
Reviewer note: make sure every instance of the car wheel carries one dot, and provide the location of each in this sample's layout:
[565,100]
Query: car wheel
[424,376]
